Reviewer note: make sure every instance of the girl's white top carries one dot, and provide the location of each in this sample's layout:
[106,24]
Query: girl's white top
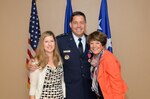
[37,78]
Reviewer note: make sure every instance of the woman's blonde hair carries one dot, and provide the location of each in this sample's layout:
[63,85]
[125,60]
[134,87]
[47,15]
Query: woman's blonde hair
[42,57]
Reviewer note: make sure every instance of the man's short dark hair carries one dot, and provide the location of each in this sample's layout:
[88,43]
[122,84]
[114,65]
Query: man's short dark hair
[78,13]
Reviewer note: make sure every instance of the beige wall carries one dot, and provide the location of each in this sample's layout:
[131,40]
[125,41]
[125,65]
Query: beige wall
[129,21]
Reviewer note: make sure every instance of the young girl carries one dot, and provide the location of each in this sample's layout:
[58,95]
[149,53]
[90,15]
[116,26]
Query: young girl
[47,81]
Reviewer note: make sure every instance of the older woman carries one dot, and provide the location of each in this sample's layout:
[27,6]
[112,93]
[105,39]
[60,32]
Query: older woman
[105,69]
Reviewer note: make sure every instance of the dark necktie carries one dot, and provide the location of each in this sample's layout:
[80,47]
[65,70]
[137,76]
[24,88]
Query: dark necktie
[80,46]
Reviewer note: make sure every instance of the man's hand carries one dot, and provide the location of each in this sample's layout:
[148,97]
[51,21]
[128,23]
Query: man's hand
[32,66]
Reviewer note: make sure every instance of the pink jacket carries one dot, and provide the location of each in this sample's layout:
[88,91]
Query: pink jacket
[109,77]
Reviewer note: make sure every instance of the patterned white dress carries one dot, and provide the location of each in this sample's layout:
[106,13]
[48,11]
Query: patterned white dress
[52,87]
[47,83]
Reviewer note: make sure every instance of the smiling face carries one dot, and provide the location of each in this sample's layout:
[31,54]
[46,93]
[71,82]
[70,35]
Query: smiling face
[78,25]
[97,41]
[95,46]
[49,44]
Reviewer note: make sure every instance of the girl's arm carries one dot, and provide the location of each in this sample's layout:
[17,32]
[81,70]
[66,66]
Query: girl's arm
[32,97]
[33,83]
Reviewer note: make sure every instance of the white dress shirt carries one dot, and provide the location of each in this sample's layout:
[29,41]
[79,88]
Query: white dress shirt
[83,41]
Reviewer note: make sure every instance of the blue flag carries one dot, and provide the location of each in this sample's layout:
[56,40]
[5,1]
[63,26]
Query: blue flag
[68,14]
[104,24]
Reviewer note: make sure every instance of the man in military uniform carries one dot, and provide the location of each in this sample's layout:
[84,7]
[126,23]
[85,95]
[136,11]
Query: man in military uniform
[74,49]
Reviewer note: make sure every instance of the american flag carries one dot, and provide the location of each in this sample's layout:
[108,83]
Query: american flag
[103,25]
[34,32]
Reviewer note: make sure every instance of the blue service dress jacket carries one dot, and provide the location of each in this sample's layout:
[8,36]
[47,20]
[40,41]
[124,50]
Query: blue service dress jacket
[76,69]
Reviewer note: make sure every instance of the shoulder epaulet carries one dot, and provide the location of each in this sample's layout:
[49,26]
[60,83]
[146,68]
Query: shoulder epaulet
[61,35]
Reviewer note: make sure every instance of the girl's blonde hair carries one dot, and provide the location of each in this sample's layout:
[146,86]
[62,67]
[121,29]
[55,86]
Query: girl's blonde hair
[42,57]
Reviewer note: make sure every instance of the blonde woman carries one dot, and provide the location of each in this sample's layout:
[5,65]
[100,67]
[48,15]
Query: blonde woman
[47,81]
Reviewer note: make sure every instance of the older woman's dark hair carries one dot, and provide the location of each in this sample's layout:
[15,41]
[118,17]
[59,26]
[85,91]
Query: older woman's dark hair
[98,36]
